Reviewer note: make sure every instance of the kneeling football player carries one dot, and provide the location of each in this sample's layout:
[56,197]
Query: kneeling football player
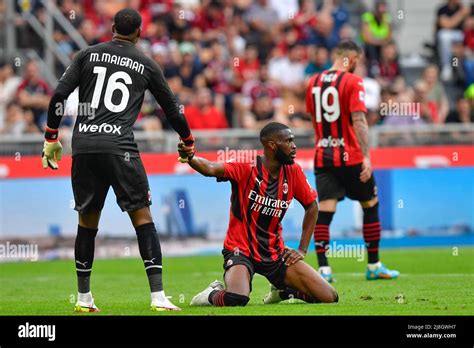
[261,193]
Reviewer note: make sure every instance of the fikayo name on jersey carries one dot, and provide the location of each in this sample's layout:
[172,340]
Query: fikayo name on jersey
[259,203]
[331,97]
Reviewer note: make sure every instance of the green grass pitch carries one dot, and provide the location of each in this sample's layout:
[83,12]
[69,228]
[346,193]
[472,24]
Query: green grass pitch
[432,282]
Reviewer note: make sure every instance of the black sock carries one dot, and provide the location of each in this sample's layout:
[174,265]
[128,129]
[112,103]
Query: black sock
[150,251]
[321,236]
[289,293]
[371,230]
[84,256]
[222,298]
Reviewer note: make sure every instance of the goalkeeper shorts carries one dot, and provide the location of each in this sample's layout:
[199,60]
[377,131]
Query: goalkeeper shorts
[94,173]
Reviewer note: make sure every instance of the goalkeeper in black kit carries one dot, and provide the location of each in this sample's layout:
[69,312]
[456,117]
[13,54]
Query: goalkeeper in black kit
[112,78]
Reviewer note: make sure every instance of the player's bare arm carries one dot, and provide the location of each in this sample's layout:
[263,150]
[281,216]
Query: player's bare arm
[292,256]
[361,129]
[201,165]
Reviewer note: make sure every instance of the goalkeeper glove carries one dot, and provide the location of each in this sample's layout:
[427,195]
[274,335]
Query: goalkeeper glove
[52,149]
[187,149]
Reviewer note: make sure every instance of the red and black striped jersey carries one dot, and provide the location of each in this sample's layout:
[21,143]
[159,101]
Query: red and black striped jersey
[331,97]
[258,204]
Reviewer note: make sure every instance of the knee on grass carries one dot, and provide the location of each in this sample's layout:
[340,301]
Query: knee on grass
[330,296]
[334,298]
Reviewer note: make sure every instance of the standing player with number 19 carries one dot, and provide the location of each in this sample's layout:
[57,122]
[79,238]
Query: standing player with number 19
[112,78]
[336,100]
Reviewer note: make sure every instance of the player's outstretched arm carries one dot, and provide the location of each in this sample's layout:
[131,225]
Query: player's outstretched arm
[201,165]
[207,168]
[361,130]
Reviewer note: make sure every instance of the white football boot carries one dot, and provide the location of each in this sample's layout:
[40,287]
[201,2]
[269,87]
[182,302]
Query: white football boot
[160,302]
[273,296]
[202,299]
[85,303]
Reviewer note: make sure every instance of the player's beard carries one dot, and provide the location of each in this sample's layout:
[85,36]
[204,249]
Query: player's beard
[283,158]
[352,68]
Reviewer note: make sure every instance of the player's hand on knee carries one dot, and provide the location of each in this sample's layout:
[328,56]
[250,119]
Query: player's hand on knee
[52,149]
[292,256]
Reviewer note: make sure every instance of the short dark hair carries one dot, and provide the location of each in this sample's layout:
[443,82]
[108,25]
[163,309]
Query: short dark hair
[348,45]
[127,21]
[272,128]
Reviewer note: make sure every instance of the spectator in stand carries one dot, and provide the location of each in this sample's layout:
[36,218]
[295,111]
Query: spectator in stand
[376,30]
[88,32]
[288,37]
[428,108]
[217,74]
[261,16]
[190,66]
[468,52]
[347,32]
[203,114]
[216,69]
[149,119]
[288,71]
[318,60]
[469,33]
[261,19]
[338,12]
[324,33]
[449,28]
[463,112]
[372,94]
[293,107]
[246,68]
[158,33]
[18,121]
[254,88]
[285,9]
[34,94]
[9,83]
[72,10]
[101,13]
[261,84]
[395,117]
[160,54]
[262,112]
[210,19]
[305,19]
[463,66]
[236,43]
[387,68]
[436,92]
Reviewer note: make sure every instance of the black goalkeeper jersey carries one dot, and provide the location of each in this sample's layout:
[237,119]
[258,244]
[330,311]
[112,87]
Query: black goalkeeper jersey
[112,78]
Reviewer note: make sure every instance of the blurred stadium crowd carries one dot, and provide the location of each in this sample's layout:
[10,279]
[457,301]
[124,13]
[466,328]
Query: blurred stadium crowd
[242,63]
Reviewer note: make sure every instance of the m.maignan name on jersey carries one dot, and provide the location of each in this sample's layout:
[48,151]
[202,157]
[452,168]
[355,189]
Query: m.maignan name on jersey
[118,60]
